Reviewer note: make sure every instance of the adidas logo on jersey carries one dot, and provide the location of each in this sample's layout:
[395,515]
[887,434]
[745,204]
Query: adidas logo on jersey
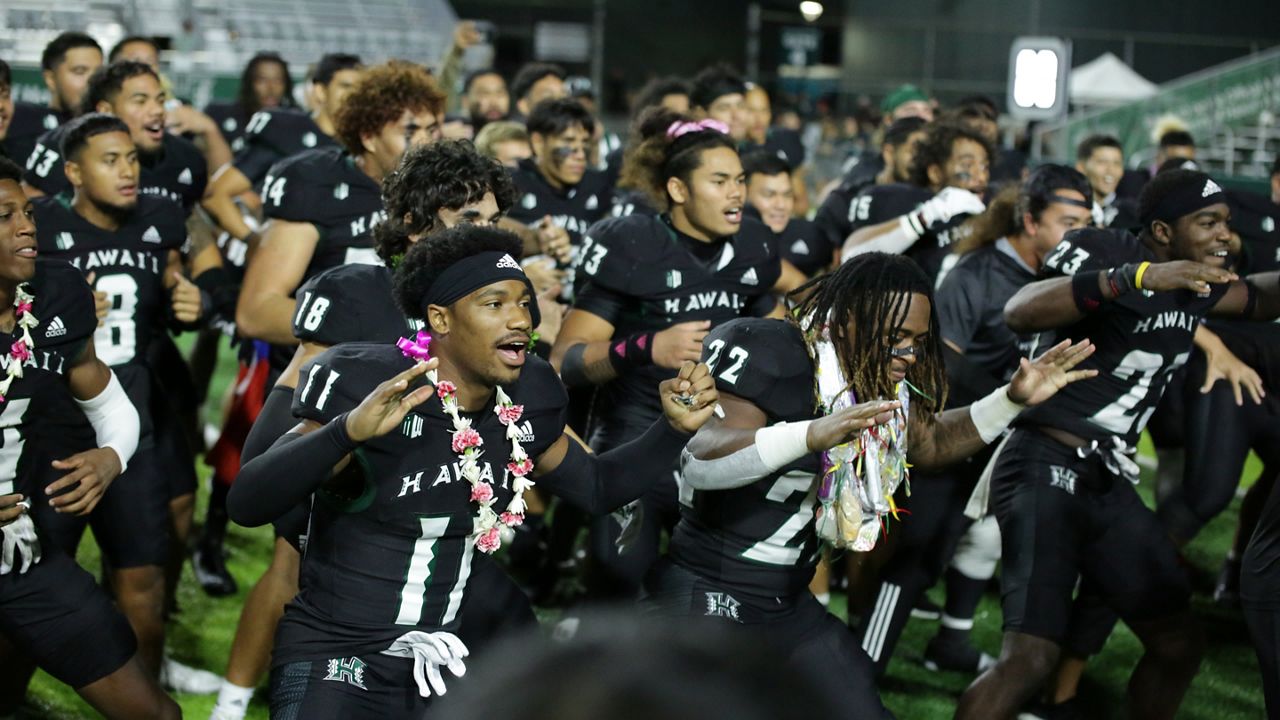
[152,235]
[749,277]
[508,262]
[524,432]
[799,247]
[309,140]
[184,177]
[56,328]
[722,605]
[1210,188]
[592,203]
[1063,479]
[529,201]
[341,191]
[64,241]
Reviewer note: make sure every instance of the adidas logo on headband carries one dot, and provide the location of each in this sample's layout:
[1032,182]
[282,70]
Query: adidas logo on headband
[1210,188]
[509,262]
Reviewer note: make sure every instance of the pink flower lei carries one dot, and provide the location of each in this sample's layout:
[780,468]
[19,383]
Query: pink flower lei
[20,350]
[491,527]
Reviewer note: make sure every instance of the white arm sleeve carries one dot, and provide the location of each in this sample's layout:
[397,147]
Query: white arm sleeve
[894,242]
[114,419]
[775,447]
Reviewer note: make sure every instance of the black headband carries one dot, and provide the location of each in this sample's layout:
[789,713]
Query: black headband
[1199,191]
[1055,198]
[470,274]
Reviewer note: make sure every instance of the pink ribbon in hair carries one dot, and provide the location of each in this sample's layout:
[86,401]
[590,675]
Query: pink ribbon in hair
[416,348]
[679,128]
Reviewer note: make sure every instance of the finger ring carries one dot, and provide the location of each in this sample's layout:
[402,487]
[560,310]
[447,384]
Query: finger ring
[685,400]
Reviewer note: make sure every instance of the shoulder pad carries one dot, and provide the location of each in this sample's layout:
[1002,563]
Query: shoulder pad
[765,362]
[335,306]
[539,387]
[614,247]
[167,218]
[1087,249]
[341,377]
[63,304]
[44,164]
[293,188]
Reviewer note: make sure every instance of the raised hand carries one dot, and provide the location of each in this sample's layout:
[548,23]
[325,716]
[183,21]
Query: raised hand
[185,298]
[689,399]
[679,343]
[1037,381]
[842,426]
[1184,275]
[554,241]
[384,409]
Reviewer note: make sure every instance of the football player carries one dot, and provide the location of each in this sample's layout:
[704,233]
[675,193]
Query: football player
[1101,159]
[845,397]
[1061,484]
[265,83]
[415,509]
[948,176]
[779,141]
[771,199]
[648,290]
[67,62]
[50,608]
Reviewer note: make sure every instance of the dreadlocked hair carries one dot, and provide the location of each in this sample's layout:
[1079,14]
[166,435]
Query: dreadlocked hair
[868,297]
[652,157]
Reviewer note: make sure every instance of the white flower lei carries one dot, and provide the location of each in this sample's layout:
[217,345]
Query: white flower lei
[20,350]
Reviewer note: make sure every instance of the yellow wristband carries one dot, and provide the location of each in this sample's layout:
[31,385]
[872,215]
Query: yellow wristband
[1137,277]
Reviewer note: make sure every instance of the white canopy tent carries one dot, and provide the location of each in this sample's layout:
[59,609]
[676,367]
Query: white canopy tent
[1106,80]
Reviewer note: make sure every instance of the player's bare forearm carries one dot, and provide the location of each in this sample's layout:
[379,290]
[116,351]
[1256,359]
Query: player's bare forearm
[88,376]
[950,438]
[267,317]
[723,436]
[1044,305]
[219,201]
[587,363]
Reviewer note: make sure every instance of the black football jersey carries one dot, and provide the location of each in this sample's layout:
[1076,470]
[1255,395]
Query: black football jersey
[28,123]
[274,134]
[1257,220]
[1141,338]
[801,244]
[881,203]
[39,416]
[177,173]
[324,187]
[783,142]
[640,275]
[574,209]
[838,211]
[631,202]
[1121,213]
[760,537]
[231,119]
[129,266]
[350,303]
[969,305]
[395,554]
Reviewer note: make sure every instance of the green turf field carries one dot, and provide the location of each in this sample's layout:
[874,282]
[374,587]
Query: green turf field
[1227,688]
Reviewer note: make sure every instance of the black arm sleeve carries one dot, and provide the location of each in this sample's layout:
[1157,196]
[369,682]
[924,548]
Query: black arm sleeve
[296,465]
[599,484]
[274,419]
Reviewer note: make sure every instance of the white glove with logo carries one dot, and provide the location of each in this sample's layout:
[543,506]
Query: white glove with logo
[948,203]
[429,651]
[21,545]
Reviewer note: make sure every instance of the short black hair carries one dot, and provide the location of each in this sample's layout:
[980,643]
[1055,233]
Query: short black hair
[552,117]
[119,47]
[6,75]
[1177,138]
[56,51]
[656,89]
[107,82]
[471,77]
[983,103]
[87,126]
[935,148]
[444,175]
[9,170]
[901,129]
[427,260]
[1177,163]
[714,82]
[1087,146]
[764,162]
[530,74]
[333,63]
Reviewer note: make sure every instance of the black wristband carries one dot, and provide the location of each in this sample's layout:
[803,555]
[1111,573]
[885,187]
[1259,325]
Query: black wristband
[631,352]
[1122,279]
[1086,291]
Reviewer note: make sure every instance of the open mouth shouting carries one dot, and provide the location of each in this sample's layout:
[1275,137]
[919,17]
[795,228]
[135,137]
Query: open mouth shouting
[733,215]
[512,349]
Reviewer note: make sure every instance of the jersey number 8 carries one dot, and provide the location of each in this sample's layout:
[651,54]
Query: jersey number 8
[116,339]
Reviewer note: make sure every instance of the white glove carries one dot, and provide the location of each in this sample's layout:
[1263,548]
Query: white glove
[19,538]
[948,203]
[429,651]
